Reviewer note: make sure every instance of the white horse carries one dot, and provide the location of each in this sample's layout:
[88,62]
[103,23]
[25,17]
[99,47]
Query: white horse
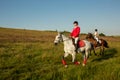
[69,48]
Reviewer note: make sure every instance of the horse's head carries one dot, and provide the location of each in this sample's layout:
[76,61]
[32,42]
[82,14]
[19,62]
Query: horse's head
[58,38]
[89,36]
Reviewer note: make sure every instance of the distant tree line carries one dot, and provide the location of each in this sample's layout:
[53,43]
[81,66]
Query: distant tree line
[102,34]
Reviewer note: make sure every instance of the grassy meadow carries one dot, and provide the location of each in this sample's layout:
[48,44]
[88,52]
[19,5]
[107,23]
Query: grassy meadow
[31,55]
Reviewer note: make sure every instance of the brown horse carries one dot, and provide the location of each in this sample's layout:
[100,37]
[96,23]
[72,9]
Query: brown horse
[102,44]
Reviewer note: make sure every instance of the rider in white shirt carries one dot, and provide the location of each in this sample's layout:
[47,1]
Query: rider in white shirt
[96,35]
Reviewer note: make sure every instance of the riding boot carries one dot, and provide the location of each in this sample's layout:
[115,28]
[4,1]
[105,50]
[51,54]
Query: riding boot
[76,48]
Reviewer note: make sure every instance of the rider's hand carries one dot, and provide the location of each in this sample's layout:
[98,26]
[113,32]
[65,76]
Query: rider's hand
[70,36]
[73,37]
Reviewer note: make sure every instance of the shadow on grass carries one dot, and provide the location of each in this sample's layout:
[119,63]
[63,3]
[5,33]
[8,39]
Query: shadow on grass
[110,53]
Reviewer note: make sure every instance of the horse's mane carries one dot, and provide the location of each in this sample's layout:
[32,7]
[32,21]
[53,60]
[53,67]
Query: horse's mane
[66,37]
[89,36]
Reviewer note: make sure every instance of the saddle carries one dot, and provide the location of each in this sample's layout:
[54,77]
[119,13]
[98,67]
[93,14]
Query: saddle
[80,43]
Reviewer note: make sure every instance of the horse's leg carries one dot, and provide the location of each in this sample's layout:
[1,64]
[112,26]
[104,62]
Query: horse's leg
[65,55]
[85,57]
[84,60]
[94,51]
[63,58]
[87,53]
[73,57]
[90,53]
[100,50]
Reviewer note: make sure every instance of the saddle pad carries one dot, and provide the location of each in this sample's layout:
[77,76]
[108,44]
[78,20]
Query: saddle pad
[81,43]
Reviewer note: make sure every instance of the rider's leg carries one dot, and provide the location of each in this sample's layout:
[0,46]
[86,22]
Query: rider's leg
[76,44]
[97,39]
[76,40]
[98,43]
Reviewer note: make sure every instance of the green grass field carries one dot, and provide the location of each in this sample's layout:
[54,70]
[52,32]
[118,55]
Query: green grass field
[31,55]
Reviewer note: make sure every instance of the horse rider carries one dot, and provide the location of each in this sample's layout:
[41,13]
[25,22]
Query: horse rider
[96,35]
[75,34]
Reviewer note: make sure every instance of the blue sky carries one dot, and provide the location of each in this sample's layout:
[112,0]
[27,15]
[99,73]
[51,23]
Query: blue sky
[60,14]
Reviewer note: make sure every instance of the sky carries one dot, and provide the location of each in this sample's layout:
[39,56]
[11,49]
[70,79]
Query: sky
[103,15]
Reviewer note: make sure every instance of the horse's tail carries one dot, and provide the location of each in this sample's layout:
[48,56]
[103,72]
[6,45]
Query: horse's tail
[106,44]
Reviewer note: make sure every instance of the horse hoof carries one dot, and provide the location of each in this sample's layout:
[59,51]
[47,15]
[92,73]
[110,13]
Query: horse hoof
[77,63]
[66,66]
[83,64]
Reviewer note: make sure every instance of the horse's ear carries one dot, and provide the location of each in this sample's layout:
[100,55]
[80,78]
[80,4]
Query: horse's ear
[56,30]
[62,32]
[59,32]
[88,32]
